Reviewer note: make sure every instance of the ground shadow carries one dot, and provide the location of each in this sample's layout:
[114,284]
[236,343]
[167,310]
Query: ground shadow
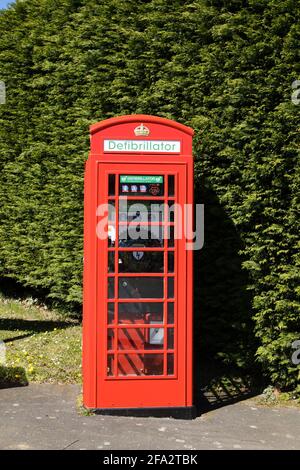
[30,326]
[224,343]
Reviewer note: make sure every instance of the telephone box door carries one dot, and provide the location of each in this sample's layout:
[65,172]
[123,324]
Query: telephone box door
[142,301]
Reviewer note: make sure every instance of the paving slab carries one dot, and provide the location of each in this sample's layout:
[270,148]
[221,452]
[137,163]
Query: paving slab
[45,416]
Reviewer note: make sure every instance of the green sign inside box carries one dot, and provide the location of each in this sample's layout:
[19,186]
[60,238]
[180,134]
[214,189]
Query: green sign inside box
[141,179]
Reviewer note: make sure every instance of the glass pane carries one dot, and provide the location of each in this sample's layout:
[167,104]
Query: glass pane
[171,262]
[154,364]
[111,185]
[171,211]
[141,262]
[170,287]
[170,313]
[136,235]
[170,338]
[141,211]
[110,339]
[110,313]
[131,364]
[141,287]
[111,262]
[132,338]
[111,211]
[141,185]
[140,312]
[140,364]
[110,365]
[111,288]
[171,236]
[171,185]
[170,364]
[111,235]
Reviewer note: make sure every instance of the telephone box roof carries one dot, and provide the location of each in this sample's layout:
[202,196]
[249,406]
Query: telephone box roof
[140,118]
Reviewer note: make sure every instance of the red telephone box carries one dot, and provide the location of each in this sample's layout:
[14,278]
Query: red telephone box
[137,317]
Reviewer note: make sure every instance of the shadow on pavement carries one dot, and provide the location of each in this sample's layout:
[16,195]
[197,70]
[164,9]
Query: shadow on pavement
[225,370]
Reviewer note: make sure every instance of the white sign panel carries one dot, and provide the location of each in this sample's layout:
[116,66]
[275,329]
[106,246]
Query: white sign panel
[156,334]
[144,146]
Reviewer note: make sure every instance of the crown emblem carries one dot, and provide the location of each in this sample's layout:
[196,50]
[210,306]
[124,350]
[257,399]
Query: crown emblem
[141,130]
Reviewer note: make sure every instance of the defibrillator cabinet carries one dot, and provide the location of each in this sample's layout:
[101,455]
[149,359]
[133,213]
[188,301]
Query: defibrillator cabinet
[137,311]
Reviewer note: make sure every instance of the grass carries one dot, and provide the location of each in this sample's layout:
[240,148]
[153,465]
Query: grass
[81,410]
[273,397]
[12,376]
[38,342]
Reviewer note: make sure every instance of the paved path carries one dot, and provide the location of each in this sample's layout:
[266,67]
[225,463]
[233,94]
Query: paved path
[45,417]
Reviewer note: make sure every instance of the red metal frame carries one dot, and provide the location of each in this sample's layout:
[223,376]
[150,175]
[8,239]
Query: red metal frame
[108,389]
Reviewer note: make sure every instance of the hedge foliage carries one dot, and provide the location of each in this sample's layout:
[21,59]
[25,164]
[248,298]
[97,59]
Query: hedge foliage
[224,67]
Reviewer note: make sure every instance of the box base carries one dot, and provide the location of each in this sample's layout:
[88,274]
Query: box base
[180,412]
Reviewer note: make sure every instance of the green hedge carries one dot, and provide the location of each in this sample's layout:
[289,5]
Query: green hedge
[223,67]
